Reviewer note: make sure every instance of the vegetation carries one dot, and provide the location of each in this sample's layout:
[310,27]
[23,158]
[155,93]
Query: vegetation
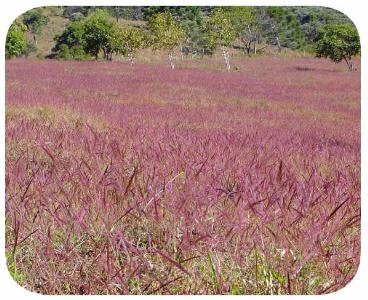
[133,40]
[246,27]
[221,32]
[15,40]
[101,34]
[148,180]
[338,42]
[284,30]
[166,33]
[124,12]
[35,22]
[86,38]
[195,31]
[71,43]
[192,181]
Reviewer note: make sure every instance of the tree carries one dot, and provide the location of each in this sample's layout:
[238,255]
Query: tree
[70,44]
[192,20]
[149,11]
[118,12]
[100,34]
[246,25]
[133,39]
[167,34]
[35,22]
[338,42]
[126,12]
[15,40]
[281,27]
[221,32]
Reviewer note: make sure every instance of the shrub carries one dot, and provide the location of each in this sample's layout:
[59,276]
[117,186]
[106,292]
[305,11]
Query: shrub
[15,40]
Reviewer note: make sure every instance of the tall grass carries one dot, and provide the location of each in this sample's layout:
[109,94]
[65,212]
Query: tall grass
[203,191]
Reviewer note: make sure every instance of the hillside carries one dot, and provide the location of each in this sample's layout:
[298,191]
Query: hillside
[297,26]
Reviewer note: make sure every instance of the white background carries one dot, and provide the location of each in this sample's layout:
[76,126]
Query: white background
[354,9]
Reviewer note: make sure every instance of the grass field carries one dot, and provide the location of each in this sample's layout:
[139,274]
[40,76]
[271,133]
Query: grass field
[144,180]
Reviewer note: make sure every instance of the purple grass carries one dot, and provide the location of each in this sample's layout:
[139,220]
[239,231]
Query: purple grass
[126,179]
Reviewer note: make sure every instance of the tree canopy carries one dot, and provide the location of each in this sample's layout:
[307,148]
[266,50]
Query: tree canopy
[338,42]
[35,22]
[166,33]
[221,32]
[70,44]
[101,34]
[133,39]
[15,40]
[193,30]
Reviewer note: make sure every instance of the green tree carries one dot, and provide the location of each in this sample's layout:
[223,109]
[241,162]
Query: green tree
[15,40]
[244,20]
[35,22]
[192,20]
[69,41]
[101,34]
[133,40]
[281,27]
[126,12]
[338,42]
[167,34]
[118,12]
[221,32]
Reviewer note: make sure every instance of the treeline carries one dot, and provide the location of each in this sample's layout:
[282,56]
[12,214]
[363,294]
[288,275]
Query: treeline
[97,32]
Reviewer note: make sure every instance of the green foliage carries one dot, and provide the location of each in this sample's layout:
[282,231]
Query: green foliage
[35,21]
[72,36]
[244,20]
[166,32]
[286,26]
[15,273]
[149,11]
[101,34]
[192,20]
[70,11]
[338,42]
[242,17]
[15,40]
[215,283]
[179,12]
[86,38]
[126,12]
[70,44]
[74,53]
[64,52]
[220,28]
[134,39]
[30,48]
[196,30]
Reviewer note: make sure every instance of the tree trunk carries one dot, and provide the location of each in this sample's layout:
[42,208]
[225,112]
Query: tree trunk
[131,59]
[247,48]
[34,39]
[278,44]
[255,47]
[225,53]
[349,61]
[181,53]
[171,61]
